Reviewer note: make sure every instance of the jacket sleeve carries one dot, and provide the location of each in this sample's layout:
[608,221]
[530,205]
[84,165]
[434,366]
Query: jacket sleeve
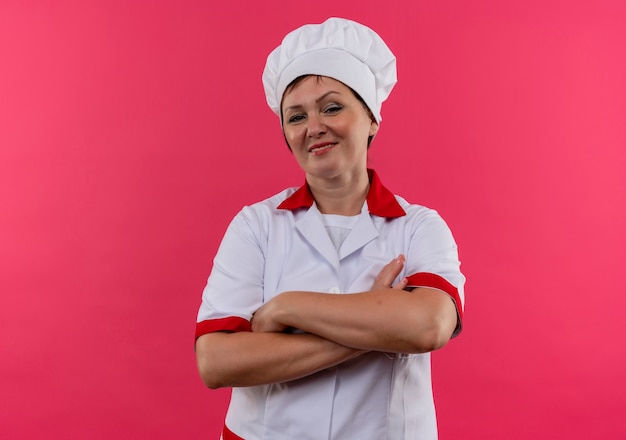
[433,260]
[234,290]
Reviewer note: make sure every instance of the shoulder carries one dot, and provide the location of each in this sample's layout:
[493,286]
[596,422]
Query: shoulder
[263,212]
[268,205]
[255,223]
[416,212]
[424,222]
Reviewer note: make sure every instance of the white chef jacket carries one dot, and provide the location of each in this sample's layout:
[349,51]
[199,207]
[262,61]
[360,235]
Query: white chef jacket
[280,244]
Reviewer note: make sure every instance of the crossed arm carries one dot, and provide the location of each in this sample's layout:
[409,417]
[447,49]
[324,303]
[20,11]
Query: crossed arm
[337,328]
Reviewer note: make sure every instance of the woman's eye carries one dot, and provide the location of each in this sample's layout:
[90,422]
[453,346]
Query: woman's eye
[334,108]
[295,118]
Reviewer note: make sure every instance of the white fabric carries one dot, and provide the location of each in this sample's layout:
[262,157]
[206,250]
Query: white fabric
[338,227]
[266,251]
[338,48]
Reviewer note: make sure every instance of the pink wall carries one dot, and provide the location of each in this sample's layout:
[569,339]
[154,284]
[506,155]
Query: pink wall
[132,131]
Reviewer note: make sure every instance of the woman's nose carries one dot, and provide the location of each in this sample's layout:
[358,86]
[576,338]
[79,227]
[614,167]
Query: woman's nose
[315,126]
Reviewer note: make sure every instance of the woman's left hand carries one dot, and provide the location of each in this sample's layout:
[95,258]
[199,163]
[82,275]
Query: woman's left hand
[264,319]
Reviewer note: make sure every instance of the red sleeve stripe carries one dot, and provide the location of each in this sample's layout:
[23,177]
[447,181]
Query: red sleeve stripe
[227,434]
[425,279]
[230,324]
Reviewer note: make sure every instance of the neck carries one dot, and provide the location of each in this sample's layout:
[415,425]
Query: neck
[342,195]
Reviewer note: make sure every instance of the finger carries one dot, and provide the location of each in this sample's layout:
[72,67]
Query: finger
[401,284]
[389,272]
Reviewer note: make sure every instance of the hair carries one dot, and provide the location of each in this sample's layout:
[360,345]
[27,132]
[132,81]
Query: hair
[300,78]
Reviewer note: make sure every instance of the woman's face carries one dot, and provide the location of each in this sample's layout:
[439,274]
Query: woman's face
[326,127]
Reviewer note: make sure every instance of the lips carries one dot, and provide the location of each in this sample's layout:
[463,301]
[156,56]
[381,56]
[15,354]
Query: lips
[318,148]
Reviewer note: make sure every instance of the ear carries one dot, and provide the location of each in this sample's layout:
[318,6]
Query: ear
[373,127]
[287,142]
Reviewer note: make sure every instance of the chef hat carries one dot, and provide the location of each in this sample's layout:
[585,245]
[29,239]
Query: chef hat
[338,48]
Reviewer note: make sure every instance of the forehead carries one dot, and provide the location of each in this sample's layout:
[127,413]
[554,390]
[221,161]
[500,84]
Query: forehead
[311,88]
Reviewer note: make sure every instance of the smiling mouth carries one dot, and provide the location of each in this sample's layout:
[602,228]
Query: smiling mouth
[319,148]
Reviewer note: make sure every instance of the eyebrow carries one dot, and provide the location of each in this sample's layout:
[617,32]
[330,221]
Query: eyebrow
[317,101]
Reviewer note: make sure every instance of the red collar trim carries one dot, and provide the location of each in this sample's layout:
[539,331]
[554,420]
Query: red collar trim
[380,201]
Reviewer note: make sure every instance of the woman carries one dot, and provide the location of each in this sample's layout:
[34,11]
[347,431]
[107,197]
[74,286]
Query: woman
[324,301]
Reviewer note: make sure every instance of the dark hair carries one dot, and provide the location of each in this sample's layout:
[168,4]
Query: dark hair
[299,79]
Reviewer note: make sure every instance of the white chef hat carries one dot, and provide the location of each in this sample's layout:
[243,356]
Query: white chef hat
[338,48]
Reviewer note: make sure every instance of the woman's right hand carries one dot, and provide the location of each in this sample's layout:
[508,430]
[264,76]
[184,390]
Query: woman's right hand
[388,274]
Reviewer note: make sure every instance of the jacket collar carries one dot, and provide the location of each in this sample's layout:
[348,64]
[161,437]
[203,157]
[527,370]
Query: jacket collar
[380,201]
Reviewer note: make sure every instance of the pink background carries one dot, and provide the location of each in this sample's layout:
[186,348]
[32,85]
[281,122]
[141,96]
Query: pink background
[132,131]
